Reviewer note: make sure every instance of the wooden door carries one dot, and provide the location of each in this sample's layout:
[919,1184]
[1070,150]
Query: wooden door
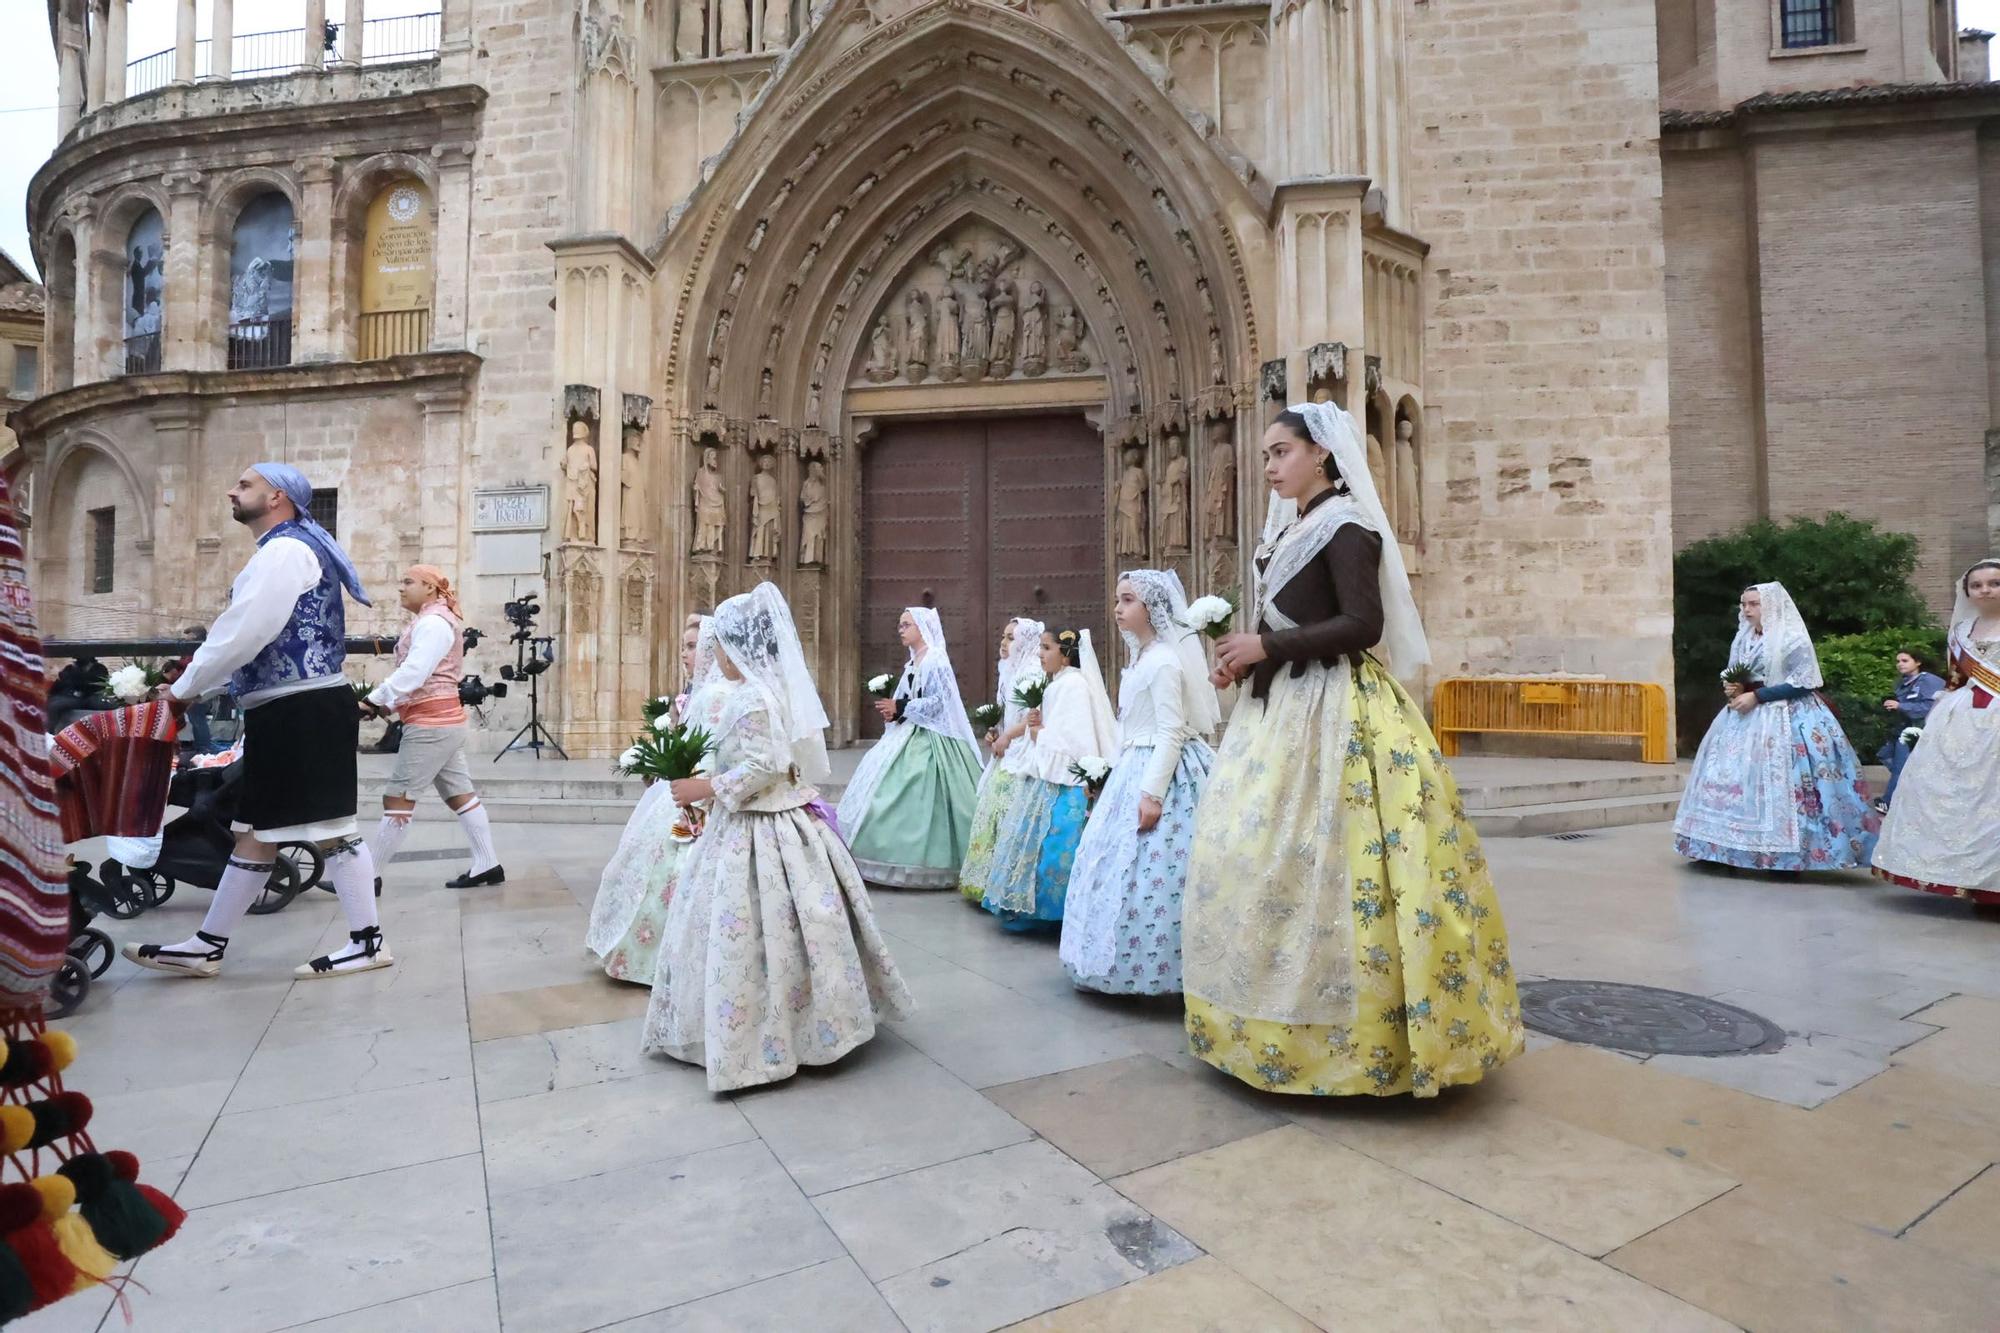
[983,519]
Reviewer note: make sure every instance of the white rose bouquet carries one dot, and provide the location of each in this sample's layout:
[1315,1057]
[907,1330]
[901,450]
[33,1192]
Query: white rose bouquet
[131,683]
[1210,615]
[1028,687]
[882,686]
[1910,736]
[1091,771]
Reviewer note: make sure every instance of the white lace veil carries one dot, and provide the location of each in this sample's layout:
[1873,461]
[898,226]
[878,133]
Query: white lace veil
[1784,651]
[1003,666]
[1103,717]
[1026,657]
[1403,644]
[933,681]
[707,672]
[756,630]
[1963,613]
[1166,606]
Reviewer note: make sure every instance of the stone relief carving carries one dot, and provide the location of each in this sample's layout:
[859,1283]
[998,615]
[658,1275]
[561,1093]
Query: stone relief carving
[631,519]
[1035,331]
[813,504]
[1132,505]
[733,23]
[711,506]
[1409,511]
[916,337]
[1070,354]
[1174,496]
[950,335]
[1218,501]
[881,353]
[688,30]
[580,484]
[777,24]
[1271,381]
[766,499]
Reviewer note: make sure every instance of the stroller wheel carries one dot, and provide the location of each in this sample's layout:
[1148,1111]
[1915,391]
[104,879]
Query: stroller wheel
[279,890]
[127,892]
[309,861]
[67,989]
[92,947]
[159,887]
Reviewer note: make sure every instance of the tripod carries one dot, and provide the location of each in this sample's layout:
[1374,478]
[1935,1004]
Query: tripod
[534,735]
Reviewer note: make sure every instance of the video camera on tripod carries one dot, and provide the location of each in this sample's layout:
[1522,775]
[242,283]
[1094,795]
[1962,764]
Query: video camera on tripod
[472,691]
[533,654]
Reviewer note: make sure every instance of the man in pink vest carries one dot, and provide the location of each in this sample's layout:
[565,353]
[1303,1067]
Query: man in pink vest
[423,694]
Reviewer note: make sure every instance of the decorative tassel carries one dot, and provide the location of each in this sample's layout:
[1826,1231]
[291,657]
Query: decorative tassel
[59,1117]
[61,1047]
[58,1195]
[17,1294]
[79,1245]
[50,1274]
[17,1126]
[170,1212]
[123,1221]
[26,1062]
[20,1204]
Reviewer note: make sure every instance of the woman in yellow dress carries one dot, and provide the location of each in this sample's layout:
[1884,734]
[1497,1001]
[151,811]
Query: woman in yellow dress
[1341,933]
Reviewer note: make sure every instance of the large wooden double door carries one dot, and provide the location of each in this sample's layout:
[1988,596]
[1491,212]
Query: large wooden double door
[984,519]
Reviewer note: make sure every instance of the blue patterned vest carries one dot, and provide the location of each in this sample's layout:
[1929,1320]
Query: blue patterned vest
[313,643]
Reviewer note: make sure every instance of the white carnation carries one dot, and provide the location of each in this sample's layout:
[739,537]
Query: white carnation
[629,759]
[1205,611]
[1030,677]
[877,684]
[129,683]
[1095,768]
[663,723]
[1910,735]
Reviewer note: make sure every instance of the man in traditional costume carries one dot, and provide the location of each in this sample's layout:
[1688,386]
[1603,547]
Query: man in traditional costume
[422,693]
[280,647]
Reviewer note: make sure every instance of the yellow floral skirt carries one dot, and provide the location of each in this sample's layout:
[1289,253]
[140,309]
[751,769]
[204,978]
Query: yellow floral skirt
[1342,936]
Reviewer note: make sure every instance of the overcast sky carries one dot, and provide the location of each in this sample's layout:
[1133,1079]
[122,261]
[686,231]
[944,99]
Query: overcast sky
[28,76]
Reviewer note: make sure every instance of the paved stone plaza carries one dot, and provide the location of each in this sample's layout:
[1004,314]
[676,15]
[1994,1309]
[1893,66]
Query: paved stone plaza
[471,1142]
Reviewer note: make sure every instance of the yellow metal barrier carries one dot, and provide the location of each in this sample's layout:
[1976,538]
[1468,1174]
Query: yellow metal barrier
[1520,706]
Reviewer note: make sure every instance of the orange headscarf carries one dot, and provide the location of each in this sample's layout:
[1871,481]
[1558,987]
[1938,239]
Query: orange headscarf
[434,576]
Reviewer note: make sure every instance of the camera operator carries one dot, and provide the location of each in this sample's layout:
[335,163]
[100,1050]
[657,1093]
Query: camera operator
[423,694]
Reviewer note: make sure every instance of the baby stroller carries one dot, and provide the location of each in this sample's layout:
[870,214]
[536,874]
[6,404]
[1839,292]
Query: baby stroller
[195,847]
[89,951]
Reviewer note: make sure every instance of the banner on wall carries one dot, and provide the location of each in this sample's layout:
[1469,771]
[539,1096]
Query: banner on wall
[396,272]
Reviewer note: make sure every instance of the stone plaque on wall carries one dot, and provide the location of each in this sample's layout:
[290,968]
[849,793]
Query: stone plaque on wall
[511,509]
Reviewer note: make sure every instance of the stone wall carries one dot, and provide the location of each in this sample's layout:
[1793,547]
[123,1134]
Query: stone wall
[1546,356]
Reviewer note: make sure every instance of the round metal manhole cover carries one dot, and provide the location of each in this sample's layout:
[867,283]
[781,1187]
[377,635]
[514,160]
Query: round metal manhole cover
[1645,1019]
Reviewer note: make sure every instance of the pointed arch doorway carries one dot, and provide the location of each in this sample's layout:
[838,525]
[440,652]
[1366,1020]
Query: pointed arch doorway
[983,517]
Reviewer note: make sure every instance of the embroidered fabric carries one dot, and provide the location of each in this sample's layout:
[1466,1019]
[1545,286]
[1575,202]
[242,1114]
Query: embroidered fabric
[1782,651]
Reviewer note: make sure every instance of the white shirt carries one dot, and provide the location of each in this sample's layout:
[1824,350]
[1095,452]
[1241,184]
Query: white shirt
[260,606]
[1151,712]
[430,639]
[1066,733]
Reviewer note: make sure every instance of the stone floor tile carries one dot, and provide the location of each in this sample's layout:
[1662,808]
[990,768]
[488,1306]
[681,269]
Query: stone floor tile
[1816,1010]
[1009,1040]
[997,1237]
[1530,1168]
[1946,1112]
[510,951]
[516,895]
[832,1297]
[1809,1070]
[1350,1243]
[833,1127]
[305,1254]
[470,1307]
[564,1058]
[1122,1115]
[1963,1226]
[286,1147]
[83,1312]
[1765,1260]
[158,1123]
[1962,1010]
[516,1013]
[1963,1052]
[296,1063]
[398,996]
[1205,1296]
[626,1125]
[590,1252]
[1887,1178]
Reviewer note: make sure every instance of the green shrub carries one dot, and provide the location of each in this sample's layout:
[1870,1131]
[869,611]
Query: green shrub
[1848,576]
[1860,672]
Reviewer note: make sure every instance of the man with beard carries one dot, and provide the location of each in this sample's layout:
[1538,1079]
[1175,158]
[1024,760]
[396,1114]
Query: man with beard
[280,647]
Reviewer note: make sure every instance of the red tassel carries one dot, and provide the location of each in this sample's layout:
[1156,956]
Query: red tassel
[50,1273]
[20,1204]
[123,1164]
[170,1212]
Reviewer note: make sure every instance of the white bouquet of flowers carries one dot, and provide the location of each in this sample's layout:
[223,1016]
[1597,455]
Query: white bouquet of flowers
[664,723]
[131,684]
[1091,771]
[1910,736]
[1210,615]
[1028,688]
[882,686]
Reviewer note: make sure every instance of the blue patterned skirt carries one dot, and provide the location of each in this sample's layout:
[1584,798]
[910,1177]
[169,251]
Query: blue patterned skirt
[1122,924]
[1029,878]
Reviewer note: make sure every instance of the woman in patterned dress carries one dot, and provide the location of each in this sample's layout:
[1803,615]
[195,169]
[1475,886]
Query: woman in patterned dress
[1943,832]
[1122,920]
[771,958]
[638,880]
[1021,653]
[1341,933]
[1775,785]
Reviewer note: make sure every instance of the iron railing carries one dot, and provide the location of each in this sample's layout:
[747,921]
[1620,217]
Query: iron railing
[1808,23]
[256,55]
[142,354]
[255,344]
[393,333]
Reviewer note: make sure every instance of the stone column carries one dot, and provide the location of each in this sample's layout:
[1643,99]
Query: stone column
[184,43]
[454,41]
[69,76]
[350,35]
[181,303]
[451,259]
[94,47]
[314,56]
[178,507]
[222,41]
[87,340]
[312,259]
[115,54]
[441,475]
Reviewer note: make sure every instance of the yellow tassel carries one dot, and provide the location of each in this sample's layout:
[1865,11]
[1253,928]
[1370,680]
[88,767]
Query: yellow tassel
[58,1195]
[61,1047]
[79,1245]
[17,1126]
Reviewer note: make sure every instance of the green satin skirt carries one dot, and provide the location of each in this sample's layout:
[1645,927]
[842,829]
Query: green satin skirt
[915,831]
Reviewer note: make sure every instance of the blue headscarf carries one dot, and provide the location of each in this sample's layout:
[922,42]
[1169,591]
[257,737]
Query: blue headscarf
[295,486]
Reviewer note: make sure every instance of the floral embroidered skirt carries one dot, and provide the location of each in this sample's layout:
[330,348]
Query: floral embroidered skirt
[1943,833]
[631,905]
[1777,788]
[997,793]
[771,958]
[1122,921]
[1033,854]
[1341,934]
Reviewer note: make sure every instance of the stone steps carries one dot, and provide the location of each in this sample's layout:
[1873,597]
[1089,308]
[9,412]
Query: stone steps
[1543,818]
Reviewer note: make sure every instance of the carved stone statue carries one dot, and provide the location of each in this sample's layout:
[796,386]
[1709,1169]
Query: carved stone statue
[711,385]
[1218,372]
[766,529]
[766,395]
[734,23]
[631,523]
[881,353]
[777,24]
[812,515]
[1174,497]
[1132,505]
[687,30]
[916,337]
[1409,509]
[1218,497]
[1070,355]
[1378,470]
[580,478]
[1000,362]
[1034,331]
[978,337]
[949,335]
[711,506]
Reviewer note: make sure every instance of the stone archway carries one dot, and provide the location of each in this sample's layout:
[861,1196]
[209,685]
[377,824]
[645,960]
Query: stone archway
[904,196]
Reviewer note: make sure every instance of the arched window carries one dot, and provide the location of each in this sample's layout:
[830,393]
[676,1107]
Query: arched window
[141,291]
[397,279]
[260,284]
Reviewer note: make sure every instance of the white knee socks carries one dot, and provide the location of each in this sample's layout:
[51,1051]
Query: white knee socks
[388,839]
[352,870]
[241,882]
[478,836]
